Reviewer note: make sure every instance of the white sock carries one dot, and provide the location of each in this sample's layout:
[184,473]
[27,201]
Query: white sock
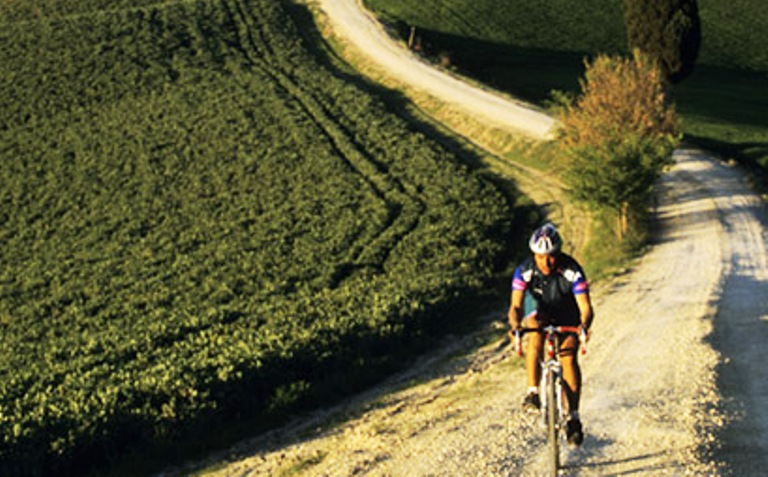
[533,390]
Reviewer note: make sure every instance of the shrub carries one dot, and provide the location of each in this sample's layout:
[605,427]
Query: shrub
[618,135]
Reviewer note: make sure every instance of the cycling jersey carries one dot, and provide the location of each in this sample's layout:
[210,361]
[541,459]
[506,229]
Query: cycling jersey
[555,295]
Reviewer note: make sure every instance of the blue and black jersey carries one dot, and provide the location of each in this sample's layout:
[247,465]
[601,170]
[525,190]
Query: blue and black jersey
[554,295]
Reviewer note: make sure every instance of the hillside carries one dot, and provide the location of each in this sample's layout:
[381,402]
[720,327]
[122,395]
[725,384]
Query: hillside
[205,224]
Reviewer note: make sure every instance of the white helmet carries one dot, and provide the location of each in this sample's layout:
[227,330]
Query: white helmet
[545,240]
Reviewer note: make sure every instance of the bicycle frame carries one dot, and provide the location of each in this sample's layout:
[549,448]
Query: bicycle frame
[551,385]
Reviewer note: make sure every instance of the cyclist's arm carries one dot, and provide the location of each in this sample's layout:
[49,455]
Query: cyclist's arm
[515,315]
[585,309]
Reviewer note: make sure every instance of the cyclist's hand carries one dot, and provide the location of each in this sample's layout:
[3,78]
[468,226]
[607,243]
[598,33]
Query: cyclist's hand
[583,338]
[515,340]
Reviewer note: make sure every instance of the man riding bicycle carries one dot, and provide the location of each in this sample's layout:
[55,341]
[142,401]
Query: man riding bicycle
[550,288]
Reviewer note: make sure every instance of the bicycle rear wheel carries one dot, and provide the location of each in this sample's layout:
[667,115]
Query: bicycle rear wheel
[552,423]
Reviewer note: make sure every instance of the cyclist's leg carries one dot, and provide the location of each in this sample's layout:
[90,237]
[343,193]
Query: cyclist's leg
[533,354]
[571,371]
[572,378]
[535,345]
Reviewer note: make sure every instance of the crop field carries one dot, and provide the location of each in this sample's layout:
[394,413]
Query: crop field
[200,222]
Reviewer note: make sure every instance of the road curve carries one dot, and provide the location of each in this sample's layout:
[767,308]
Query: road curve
[360,28]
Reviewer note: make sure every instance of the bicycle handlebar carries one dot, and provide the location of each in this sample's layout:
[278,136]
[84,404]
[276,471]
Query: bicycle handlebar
[577,330]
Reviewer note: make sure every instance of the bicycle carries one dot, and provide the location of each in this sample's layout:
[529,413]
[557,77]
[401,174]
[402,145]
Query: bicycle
[551,390]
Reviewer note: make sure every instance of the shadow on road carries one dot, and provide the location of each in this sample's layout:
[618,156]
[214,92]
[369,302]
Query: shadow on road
[650,463]
[740,334]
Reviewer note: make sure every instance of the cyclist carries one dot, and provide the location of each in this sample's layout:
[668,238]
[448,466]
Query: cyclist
[550,287]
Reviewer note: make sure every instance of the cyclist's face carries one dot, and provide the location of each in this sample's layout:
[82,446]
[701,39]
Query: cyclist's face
[546,263]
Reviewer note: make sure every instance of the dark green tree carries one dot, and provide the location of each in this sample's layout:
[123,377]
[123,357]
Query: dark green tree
[668,31]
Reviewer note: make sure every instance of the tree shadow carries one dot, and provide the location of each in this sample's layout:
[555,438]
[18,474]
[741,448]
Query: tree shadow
[693,195]
[733,96]
[752,155]
[739,336]
[524,72]
[634,464]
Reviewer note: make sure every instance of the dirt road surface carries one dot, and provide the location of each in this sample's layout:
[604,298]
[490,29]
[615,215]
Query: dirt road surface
[356,24]
[673,380]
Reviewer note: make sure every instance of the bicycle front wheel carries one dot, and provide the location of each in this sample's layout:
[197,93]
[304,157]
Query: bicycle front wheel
[552,423]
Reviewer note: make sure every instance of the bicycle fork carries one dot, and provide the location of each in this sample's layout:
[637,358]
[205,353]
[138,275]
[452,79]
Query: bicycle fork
[552,370]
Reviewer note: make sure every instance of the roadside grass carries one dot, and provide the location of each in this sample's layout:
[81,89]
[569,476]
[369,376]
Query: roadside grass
[604,256]
[304,464]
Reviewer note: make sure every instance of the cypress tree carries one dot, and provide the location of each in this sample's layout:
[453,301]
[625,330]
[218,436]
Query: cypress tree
[668,31]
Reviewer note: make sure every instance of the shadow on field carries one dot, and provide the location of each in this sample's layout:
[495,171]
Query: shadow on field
[527,73]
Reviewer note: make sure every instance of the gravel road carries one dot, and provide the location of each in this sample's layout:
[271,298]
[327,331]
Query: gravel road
[673,381]
[352,22]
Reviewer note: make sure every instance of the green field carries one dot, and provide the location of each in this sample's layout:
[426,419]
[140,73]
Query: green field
[532,48]
[202,222]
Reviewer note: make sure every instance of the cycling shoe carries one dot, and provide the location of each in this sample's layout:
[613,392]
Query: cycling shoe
[574,432]
[532,402]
